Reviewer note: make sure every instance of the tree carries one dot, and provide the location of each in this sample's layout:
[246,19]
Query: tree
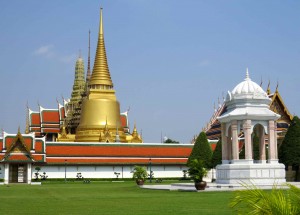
[217,155]
[170,141]
[201,150]
[289,151]
[257,201]
[255,147]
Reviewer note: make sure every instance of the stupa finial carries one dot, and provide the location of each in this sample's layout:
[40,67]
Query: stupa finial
[247,74]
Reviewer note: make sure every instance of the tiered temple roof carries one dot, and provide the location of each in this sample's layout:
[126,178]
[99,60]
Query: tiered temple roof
[49,122]
[22,148]
[15,148]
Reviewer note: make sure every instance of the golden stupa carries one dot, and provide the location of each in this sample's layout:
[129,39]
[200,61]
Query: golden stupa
[100,115]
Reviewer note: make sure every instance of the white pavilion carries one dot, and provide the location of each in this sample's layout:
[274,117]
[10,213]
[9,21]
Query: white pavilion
[248,111]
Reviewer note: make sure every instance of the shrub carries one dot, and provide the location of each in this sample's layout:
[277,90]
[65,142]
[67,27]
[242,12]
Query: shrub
[201,151]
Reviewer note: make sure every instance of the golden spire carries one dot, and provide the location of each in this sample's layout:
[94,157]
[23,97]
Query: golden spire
[101,75]
[134,132]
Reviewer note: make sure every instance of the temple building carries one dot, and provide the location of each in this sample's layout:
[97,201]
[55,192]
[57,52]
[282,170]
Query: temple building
[86,134]
[92,114]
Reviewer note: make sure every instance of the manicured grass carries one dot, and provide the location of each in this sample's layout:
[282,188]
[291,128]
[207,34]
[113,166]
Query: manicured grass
[108,198]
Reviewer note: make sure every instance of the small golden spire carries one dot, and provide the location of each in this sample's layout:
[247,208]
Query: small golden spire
[268,89]
[101,75]
[134,132]
[277,87]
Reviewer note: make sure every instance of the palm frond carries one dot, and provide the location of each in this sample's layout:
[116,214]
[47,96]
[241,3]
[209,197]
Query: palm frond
[257,201]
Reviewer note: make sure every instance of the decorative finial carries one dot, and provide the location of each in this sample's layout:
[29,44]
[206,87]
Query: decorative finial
[79,53]
[277,86]
[101,22]
[19,132]
[261,82]
[247,74]
[268,89]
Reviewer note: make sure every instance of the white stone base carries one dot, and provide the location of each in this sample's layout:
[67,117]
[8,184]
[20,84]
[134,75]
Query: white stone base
[257,173]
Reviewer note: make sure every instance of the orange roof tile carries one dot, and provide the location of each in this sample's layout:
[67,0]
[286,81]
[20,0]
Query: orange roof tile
[50,130]
[117,150]
[144,161]
[18,157]
[123,119]
[50,116]
[39,146]
[35,119]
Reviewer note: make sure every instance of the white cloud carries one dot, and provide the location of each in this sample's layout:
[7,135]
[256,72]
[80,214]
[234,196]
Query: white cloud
[46,51]
[68,58]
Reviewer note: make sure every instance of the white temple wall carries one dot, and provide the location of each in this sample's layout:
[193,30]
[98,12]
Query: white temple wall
[107,171]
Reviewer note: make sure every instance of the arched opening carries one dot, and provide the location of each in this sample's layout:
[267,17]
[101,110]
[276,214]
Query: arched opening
[259,144]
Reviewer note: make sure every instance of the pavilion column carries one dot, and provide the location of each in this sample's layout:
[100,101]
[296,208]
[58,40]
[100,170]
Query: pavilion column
[6,173]
[235,142]
[225,157]
[248,141]
[262,145]
[29,173]
[275,140]
[272,148]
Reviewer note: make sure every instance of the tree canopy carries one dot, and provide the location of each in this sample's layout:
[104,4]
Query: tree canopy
[201,150]
[217,155]
[289,151]
[170,141]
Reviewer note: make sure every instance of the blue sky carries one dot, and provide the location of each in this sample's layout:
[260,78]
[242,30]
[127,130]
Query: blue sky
[169,60]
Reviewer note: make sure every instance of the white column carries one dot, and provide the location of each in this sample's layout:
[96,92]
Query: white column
[248,141]
[235,142]
[6,173]
[272,148]
[275,140]
[29,173]
[225,158]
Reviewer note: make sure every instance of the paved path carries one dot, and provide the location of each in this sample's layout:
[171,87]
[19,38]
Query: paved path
[210,187]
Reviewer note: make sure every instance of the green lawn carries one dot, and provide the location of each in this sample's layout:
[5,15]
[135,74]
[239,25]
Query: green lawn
[108,198]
